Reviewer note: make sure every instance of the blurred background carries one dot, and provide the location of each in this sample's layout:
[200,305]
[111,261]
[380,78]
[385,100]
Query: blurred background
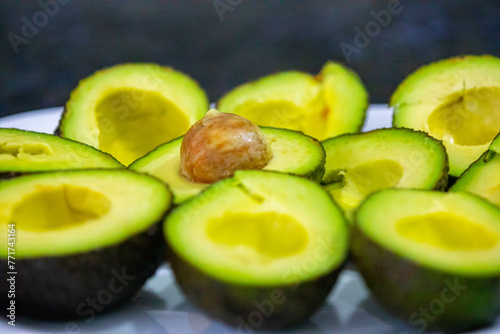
[47,46]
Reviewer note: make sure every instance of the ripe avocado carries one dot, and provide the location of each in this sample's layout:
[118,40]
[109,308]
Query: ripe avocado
[129,109]
[359,164]
[456,100]
[483,176]
[431,258]
[258,237]
[322,106]
[26,152]
[80,236]
[293,153]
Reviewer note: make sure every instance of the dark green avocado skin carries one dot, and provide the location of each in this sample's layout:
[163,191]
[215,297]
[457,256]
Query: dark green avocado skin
[57,130]
[86,284]
[252,308]
[9,175]
[425,298]
[317,174]
[451,181]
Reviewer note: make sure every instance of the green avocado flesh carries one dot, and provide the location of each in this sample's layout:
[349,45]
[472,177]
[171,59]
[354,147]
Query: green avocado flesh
[456,100]
[332,103]
[26,151]
[253,235]
[483,176]
[293,153]
[127,110]
[359,164]
[495,144]
[422,250]
[77,231]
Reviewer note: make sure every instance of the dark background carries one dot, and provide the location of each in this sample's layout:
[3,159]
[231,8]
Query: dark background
[223,43]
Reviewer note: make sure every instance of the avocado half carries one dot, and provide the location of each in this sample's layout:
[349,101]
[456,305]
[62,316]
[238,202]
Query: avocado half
[27,152]
[431,258]
[293,153]
[127,110]
[360,164]
[322,106]
[85,241]
[455,100]
[483,176]
[260,250]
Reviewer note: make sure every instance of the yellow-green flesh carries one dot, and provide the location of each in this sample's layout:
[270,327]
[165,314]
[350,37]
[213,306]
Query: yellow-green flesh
[332,103]
[132,122]
[70,212]
[289,100]
[129,109]
[364,179]
[292,153]
[263,229]
[455,232]
[456,100]
[360,164]
[24,151]
[54,208]
[470,118]
[482,180]
[447,231]
[164,163]
[487,183]
[262,232]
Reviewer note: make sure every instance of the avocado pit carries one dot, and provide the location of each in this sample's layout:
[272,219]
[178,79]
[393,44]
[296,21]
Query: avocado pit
[221,143]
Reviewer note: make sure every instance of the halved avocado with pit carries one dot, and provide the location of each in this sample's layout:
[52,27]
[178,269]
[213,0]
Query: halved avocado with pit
[431,258]
[27,151]
[85,241]
[257,241]
[456,100]
[322,106]
[129,109]
[359,164]
[293,153]
[483,176]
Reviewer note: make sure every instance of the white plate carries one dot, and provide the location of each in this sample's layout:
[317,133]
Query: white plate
[161,308]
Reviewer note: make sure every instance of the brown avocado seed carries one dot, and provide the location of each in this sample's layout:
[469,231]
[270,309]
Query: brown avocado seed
[221,143]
